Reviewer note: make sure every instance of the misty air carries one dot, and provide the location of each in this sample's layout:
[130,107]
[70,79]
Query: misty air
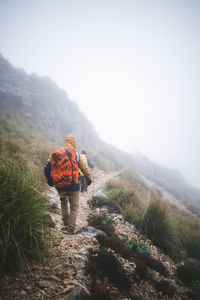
[99,149]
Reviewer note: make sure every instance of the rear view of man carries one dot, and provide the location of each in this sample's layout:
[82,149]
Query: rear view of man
[62,171]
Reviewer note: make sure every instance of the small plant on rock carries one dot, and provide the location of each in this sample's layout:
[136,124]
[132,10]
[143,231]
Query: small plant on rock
[140,248]
[103,222]
[137,297]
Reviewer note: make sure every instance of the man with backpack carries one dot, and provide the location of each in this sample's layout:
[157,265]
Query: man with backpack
[62,171]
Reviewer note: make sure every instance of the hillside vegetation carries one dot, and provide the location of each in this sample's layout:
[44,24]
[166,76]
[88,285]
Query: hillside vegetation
[171,180]
[175,231]
[34,119]
[24,217]
[47,108]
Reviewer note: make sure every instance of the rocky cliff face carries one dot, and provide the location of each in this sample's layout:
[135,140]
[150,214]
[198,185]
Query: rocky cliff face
[43,102]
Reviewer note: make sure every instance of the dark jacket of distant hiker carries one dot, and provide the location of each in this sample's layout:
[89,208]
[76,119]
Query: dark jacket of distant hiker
[83,181]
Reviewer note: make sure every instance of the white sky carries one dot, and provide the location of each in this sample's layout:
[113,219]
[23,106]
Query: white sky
[132,66]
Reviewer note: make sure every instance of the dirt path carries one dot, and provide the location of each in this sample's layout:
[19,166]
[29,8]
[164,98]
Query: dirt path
[99,180]
[63,270]
[60,275]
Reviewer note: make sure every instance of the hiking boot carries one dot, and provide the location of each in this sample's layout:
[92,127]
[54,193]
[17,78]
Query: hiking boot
[67,230]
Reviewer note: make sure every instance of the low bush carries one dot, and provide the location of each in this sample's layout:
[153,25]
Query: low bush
[115,243]
[103,222]
[187,227]
[157,226]
[137,297]
[195,285]
[155,265]
[188,273]
[99,201]
[141,269]
[109,265]
[98,292]
[121,192]
[165,287]
[133,215]
[24,219]
[140,248]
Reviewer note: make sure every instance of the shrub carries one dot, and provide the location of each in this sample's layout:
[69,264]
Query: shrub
[137,297]
[103,222]
[187,227]
[133,215]
[155,265]
[156,225]
[188,273]
[99,201]
[140,248]
[165,287]
[107,263]
[24,221]
[141,269]
[195,285]
[98,292]
[122,192]
[115,243]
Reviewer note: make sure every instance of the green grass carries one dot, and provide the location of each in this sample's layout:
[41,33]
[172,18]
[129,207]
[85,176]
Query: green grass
[187,228]
[156,226]
[24,220]
[103,222]
[175,231]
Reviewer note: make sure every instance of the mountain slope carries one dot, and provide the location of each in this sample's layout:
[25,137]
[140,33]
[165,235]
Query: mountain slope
[39,102]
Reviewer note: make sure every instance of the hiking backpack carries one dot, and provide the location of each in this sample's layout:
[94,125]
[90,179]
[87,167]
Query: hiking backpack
[64,167]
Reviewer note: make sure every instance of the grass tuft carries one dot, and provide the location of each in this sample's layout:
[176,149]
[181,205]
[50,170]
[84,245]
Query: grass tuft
[24,219]
[157,226]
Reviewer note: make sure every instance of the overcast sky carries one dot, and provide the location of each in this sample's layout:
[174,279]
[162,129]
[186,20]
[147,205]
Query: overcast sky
[132,66]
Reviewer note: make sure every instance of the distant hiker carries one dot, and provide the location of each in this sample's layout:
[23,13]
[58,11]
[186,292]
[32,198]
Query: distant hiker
[62,171]
[83,181]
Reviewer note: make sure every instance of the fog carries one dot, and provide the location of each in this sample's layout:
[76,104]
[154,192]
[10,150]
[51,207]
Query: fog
[132,67]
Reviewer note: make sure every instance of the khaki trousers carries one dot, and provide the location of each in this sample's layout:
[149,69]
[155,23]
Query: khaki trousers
[69,208]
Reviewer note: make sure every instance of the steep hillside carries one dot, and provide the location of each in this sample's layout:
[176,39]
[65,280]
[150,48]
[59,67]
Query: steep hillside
[41,102]
[102,260]
[30,101]
[170,180]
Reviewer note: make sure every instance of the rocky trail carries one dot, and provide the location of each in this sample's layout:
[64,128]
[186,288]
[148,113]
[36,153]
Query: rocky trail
[61,274]
[62,270]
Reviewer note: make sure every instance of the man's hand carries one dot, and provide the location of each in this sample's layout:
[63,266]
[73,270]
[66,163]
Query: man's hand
[89,182]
